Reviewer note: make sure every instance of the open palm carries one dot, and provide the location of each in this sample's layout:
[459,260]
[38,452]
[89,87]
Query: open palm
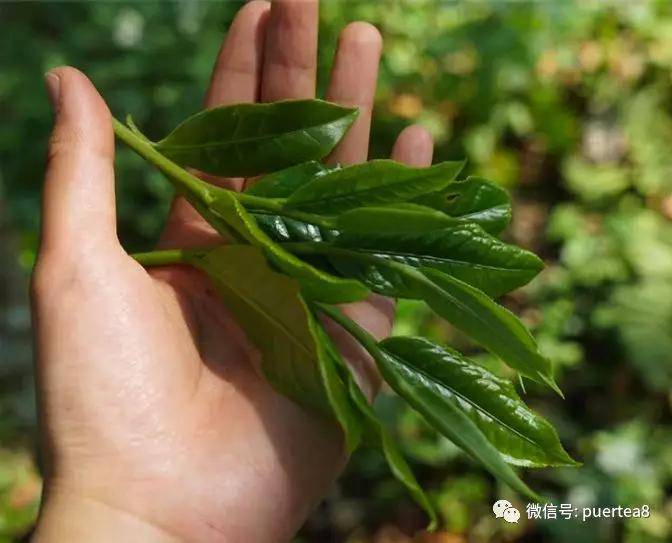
[149,399]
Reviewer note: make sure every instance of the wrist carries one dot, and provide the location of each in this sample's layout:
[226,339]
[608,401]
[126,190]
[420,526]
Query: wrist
[74,518]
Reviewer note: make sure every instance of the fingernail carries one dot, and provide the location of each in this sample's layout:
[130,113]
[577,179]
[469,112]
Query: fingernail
[53,83]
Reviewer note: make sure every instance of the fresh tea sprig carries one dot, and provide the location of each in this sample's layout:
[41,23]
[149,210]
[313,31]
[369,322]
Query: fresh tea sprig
[307,236]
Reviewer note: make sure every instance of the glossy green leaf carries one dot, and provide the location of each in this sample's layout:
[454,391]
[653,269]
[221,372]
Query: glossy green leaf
[428,397]
[284,229]
[379,278]
[250,139]
[520,435]
[392,219]
[269,308]
[475,200]
[490,324]
[425,395]
[417,236]
[369,184]
[377,433]
[463,250]
[347,414]
[283,183]
[465,307]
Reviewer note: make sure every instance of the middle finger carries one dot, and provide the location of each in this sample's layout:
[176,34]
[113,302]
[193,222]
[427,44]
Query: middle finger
[290,56]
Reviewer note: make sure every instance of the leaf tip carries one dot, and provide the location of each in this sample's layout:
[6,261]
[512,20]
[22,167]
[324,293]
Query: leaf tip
[564,460]
[550,381]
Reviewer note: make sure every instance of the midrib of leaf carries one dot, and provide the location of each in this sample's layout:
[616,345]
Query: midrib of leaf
[478,408]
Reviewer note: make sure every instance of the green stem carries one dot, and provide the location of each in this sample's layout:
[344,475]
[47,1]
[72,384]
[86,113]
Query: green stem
[182,179]
[273,205]
[166,257]
[355,330]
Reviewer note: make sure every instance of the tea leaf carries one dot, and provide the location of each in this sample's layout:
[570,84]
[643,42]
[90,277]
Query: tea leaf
[425,395]
[371,183]
[520,435]
[393,219]
[475,200]
[490,324]
[376,435]
[250,139]
[316,284]
[465,307]
[283,183]
[284,229]
[462,250]
[222,210]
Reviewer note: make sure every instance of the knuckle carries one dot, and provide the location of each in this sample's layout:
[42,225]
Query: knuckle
[62,272]
[37,284]
[41,281]
[54,275]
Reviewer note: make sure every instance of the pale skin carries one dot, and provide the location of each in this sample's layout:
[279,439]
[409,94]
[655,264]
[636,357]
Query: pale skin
[155,424]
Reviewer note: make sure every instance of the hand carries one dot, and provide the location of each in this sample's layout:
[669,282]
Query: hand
[155,425]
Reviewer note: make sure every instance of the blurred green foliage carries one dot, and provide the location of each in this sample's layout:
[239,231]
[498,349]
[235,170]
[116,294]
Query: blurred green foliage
[566,104]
